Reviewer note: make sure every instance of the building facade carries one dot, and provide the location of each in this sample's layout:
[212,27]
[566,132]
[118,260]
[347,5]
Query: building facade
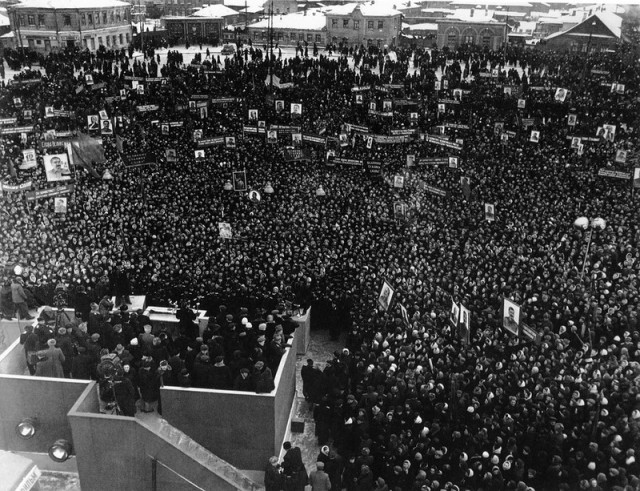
[358,24]
[598,32]
[452,34]
[194,29]
[50,25]
[291,30]
[182,8]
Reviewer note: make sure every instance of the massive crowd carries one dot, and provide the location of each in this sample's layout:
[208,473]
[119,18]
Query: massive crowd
[408,404]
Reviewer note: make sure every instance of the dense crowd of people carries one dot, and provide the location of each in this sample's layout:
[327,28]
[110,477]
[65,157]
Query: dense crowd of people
[409,404]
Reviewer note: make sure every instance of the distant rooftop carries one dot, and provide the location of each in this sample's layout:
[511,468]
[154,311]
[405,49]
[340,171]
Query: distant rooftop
[215,11]
[368,10]
[69,5]
[298,21]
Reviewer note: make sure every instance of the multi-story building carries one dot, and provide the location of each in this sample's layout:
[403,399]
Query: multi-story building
[454,33]
[363,24]
[50,25]
[182,7]
[291,30]
[206,24]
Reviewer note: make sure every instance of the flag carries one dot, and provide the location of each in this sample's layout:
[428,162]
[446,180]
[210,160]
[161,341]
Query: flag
[12,169]
[86,151]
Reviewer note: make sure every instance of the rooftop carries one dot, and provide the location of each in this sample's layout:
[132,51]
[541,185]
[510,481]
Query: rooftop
[368,10]
[611,21]
[297,21]
[215,11]
[66,4]
[492,3]
[425,26]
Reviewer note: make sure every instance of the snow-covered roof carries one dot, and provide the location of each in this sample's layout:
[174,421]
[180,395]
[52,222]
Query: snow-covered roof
[215,11]
[526,26]
[252,10]
[368,10]
[297,21]
[240,4]
[425,26]
[66,4]
[611,21]
[492,3]
[472,15]
[4,20]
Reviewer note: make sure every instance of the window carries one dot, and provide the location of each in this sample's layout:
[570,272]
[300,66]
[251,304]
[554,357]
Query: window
[452,40]
[100,41]
[121,39]
[83,19]
[108,41]
[90,19]
[318,38]
[31,20]
[104,17]
[66,20]
[93,43]
[41,19]
[380,24]
[310,37]
[279,36]
[345,23]
[301,37]
[369,24]
[334,23]
[97,19]
[256,35]
[38,41]
[356,24]
[112,17]
[118,16]
[22,20]
[468,39]
[486,41]
[128,38]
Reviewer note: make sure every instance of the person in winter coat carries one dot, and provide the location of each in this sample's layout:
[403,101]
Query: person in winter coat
[273,478]
[20,298]
[319,479]
[150,381]
[262,378]
[364,482]
[295,474]
[50,361]
[31,343]
[82,365]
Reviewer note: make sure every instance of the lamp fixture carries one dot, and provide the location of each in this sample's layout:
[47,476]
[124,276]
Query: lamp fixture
[60,451]
[26,428]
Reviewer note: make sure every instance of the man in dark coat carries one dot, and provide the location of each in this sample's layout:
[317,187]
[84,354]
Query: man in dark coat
[120,285]
[273,478]
[295,474]
[31,344]
[82,303]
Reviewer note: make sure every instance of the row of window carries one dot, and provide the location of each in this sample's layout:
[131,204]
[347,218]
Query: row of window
[452,40]
[356,24]
[285,36]
[111,41]
[91,19]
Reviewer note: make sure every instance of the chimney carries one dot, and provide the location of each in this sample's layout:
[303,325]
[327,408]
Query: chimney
[471,13]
